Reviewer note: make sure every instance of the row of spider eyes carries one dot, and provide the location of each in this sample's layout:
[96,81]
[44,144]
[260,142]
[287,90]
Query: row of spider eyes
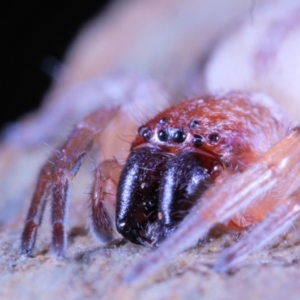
[179,135]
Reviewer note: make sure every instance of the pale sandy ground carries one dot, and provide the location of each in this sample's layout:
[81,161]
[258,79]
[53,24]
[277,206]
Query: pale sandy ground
[170,44]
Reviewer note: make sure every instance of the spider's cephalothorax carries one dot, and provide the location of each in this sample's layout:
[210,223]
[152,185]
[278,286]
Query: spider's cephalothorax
[179,154]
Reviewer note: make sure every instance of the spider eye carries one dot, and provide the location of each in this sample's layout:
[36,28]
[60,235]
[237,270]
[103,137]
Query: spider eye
[194,124]
[163,135]
[198,140]
[214,137]
[163,121]
[145,133]
[179,136]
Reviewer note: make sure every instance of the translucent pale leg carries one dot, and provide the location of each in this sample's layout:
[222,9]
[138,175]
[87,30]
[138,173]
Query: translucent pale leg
[56,176]
[222,202]
[274,225]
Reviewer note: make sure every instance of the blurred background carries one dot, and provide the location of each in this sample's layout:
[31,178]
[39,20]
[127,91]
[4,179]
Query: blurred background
[35,37]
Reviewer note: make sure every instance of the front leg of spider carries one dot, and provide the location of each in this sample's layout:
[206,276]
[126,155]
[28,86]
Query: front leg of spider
[238,196]
[54,181]
[275,224]
[285,197]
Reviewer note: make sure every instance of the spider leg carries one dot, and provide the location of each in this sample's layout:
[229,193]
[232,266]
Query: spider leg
[275,224]
[221,202]
[287,210]
[56,179]
[107,172]
[37,207]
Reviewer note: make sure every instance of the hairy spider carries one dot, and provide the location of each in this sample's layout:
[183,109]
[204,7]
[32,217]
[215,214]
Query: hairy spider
[218,158]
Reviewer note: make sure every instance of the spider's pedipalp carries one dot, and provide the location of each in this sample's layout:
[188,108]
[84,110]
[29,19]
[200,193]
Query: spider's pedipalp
[105,173]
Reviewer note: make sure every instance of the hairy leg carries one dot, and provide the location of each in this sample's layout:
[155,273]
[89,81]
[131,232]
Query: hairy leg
[55,178]
[37,207]
[275,224]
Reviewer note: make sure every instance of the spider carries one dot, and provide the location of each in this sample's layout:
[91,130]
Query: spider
[214,159]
